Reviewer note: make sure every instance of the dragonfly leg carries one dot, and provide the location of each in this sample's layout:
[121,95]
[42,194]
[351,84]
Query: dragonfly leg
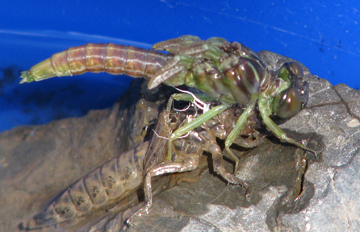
[240,123]
[193,124]
[271,125]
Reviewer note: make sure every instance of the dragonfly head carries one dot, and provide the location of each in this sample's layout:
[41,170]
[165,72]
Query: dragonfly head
[291,100]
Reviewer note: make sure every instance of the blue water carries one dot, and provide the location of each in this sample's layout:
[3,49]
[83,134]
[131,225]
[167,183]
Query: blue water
[323,35]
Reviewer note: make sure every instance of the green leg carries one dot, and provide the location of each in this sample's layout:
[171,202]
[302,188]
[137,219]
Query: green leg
[270,124]
[236,131]
[193,124]
[205,117]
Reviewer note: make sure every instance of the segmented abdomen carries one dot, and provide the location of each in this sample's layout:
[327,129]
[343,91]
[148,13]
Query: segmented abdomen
[111,58]
[112,181]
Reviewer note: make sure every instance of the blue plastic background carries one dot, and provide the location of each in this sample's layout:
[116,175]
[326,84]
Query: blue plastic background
[324,35]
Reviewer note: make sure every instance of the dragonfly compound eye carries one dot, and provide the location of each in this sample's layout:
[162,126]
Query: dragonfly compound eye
[287,103]
[290,71]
